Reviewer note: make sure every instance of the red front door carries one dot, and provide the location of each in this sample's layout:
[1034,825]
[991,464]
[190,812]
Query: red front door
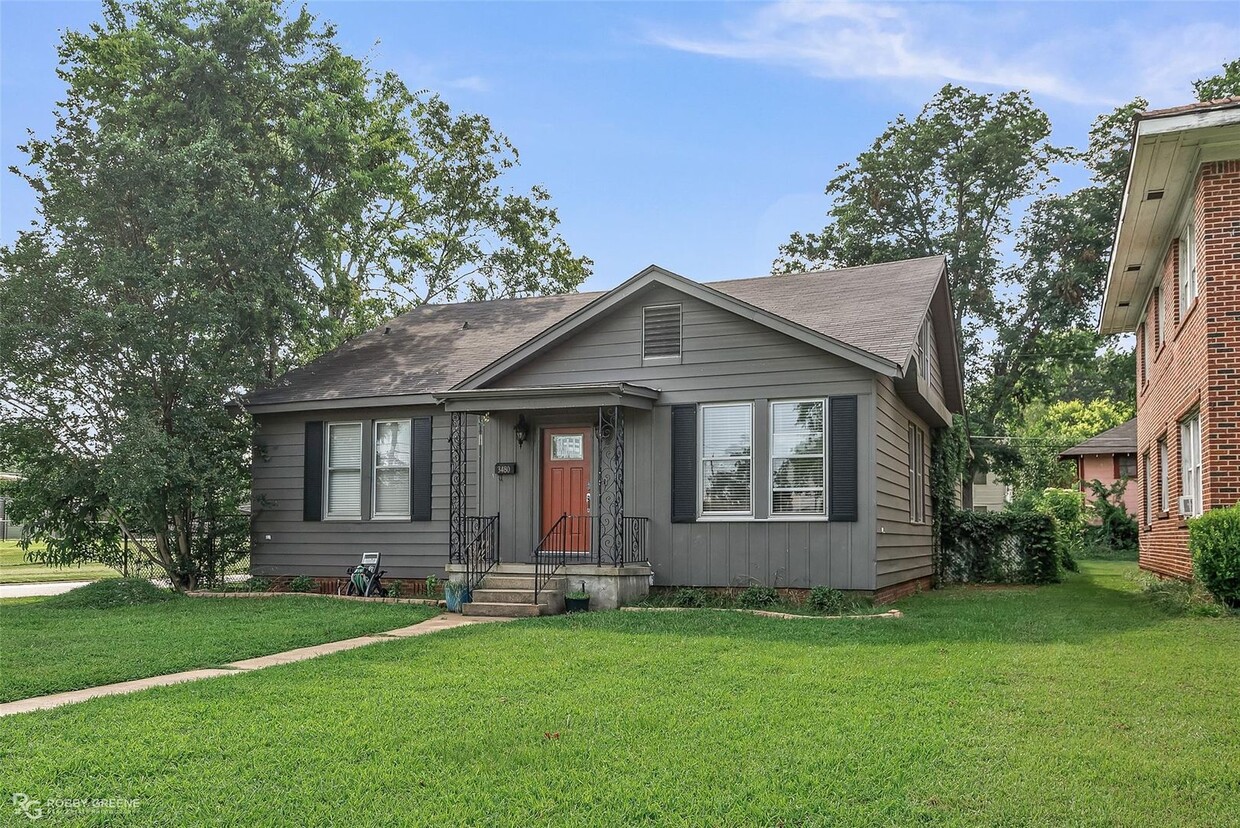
[566,483]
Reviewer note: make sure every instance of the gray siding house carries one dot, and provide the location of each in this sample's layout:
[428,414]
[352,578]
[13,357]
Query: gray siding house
[772,430]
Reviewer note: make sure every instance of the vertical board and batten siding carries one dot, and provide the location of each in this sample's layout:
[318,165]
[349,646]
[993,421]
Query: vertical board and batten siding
[725,358]
[904,548]
[410,549]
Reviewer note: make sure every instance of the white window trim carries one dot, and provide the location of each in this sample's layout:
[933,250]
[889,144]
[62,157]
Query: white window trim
[702,459]
[1146,498]
[1164,496]
[680,334]
[770,471]
[916,474]
[374,471]
[328,469]
[1190,438]
[1188,275]
[923,349]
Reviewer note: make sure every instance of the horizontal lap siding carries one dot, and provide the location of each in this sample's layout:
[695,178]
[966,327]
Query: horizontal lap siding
[904,549]
[325,548]
[725,358]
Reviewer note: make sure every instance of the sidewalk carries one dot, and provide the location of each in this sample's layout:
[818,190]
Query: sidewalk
[446,621]
[32,590]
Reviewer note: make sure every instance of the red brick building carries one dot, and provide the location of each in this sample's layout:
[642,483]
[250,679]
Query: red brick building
[1109,457]
[1175,283]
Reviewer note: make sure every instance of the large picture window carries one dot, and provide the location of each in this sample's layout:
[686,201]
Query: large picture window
[344,470]
[727,459]
[393,440]
[1190,454]
[797,458]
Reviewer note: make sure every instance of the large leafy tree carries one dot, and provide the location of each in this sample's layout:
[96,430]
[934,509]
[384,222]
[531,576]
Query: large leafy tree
[210,207]
[1222,85]
[944,182]
[1046,430]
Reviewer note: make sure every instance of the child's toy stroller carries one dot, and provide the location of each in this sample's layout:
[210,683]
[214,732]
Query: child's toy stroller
[364,578]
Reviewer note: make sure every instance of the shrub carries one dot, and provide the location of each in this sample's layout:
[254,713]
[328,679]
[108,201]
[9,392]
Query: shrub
[432,586]
[1067,508]
[1117,530]
[301,583]
[1177,597]
[393,589]
[259,584]
[689,597]
[1012,546]
[1214,540]
[827,600]
[107,594]
[757,596]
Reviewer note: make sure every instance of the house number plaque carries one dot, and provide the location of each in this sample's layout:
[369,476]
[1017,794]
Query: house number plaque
[505,468]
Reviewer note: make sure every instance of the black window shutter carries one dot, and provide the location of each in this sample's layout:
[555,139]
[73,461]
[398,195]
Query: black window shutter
[842,457]
[420,485]
[684,463]
[312,472]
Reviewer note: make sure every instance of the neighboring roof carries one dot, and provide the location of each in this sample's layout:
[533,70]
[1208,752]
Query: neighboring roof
[872,313]
[1168,147]
[1119,440]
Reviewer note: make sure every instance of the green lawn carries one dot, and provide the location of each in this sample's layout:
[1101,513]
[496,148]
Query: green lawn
[1072,705]
[15,569]
[47,649]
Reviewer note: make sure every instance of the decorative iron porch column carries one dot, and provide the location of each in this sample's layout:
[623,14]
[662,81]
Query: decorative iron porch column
[456,487]
[610,487]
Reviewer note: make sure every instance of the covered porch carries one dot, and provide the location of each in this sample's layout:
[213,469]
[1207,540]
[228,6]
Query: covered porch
[544,493]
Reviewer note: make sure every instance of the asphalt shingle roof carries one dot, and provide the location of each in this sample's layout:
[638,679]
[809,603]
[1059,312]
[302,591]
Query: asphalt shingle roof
[876,308]
[1119,440]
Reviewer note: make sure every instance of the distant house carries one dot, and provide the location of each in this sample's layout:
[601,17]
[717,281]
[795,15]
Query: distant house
[1109,457]
[772,430]
[9,529]
[1174,281]
[990,494]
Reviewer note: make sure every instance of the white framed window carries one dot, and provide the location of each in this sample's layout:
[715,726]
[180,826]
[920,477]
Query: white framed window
[661,332]
[344,470]
[1145,488]
[1190,462]
[393,461]
[1188,268]
[1160,305]
[922,350]
[916,474]
[1164,495]
[726,451]
[798,458]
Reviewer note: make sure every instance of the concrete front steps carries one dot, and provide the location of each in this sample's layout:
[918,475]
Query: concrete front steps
[507,591]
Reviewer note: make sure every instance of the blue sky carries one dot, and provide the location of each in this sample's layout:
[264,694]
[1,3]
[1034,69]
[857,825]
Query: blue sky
[698,136]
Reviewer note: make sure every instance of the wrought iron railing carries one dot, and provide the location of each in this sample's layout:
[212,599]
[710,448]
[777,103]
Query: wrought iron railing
[634,532]
[481,551]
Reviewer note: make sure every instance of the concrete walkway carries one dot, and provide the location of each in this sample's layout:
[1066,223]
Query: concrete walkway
[33,590]
[446,621]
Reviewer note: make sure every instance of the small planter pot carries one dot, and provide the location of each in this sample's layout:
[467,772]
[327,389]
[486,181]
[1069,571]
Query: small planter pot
[454,595]
[577,604]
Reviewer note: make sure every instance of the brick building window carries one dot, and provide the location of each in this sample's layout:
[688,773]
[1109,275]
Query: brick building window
[1164,494]
[1160,316]
[1188,268]
[1145,353]
[1190,461]
[1145,487]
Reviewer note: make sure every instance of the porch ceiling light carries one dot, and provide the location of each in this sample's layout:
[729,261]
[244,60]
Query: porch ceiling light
[521,430]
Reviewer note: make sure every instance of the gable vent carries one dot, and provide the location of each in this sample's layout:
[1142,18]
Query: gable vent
[660,331]
[1153,195]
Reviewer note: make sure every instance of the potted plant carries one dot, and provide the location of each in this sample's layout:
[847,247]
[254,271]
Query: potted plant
[578,600]
[455,594]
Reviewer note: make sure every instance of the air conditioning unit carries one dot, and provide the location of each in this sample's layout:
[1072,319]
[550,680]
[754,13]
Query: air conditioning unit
[1185,505]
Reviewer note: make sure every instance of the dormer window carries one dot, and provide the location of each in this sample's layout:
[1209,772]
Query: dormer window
[661,332]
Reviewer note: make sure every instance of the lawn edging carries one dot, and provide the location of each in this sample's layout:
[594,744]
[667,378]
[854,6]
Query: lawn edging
[894,613]
[429,602]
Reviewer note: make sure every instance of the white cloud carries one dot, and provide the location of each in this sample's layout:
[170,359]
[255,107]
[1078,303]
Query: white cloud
[1004,48]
